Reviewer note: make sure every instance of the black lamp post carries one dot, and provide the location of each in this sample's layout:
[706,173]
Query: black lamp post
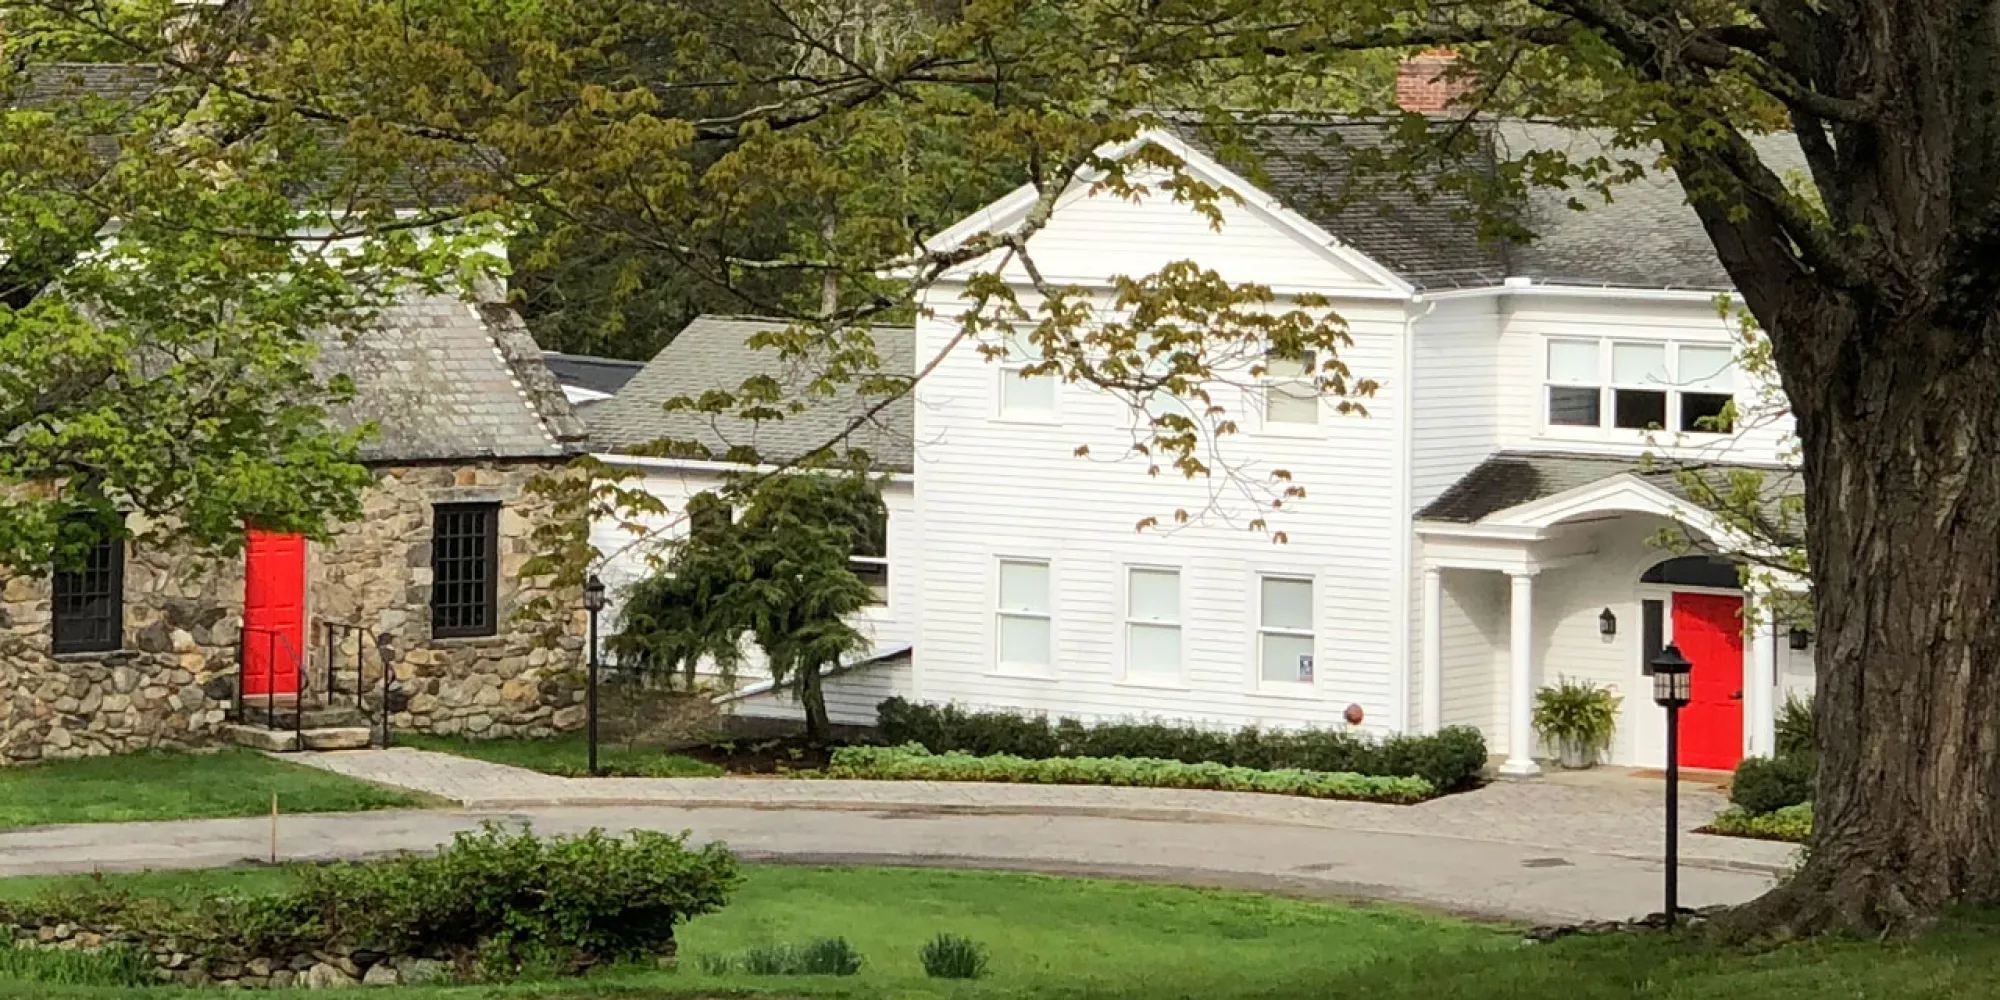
[593,601]
[1672,690]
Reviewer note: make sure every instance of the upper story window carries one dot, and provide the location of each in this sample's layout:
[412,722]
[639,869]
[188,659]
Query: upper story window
[1639,385]
[465,569]
[88,603]
[1290,395]
[1023,395]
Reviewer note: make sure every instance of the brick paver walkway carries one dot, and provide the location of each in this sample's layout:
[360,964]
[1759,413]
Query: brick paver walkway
[1620,818]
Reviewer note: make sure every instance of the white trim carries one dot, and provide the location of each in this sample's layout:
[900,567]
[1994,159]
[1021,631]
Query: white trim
[1259,684]
[1177,679]
[998,613]
[1521,287]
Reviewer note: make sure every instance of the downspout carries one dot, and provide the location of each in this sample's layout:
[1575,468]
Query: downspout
[1405,517]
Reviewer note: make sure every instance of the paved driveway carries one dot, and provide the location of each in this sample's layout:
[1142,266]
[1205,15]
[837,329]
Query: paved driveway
[1532,851]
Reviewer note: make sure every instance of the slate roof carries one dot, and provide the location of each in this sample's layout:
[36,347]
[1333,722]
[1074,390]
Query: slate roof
[711,354]
[1646,236]
[446,379]
[1511,478]
[582,371]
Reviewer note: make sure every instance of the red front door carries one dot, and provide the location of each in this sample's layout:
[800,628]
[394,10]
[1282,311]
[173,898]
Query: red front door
[1708,628]
[274,612]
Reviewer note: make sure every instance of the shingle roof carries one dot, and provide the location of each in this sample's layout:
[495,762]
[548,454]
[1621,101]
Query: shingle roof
[711,354]
[605,375]
[442,378]
[1647,236]
[1512,478]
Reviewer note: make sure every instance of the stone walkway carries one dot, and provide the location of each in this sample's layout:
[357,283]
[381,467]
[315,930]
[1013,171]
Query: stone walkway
[1618,818]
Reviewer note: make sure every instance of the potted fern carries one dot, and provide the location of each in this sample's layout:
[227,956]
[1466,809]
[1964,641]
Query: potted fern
[1578,718]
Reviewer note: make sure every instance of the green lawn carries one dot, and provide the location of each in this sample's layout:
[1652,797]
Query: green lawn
[1066,939]
[566,755]
[232,782]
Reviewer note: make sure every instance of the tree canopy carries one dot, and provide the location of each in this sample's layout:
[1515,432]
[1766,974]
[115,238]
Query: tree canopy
[797,158]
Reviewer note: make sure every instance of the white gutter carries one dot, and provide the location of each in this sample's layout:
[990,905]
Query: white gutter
[1529,286]
[703,465]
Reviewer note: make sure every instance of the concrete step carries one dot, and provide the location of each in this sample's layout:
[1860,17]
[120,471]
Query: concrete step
[289,741]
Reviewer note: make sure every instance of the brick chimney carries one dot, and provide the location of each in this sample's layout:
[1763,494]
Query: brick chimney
[1421,85]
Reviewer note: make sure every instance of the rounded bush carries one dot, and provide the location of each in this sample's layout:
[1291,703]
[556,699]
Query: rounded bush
[1768,784]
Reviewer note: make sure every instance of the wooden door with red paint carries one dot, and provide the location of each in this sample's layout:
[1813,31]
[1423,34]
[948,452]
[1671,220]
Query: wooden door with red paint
[1708,628]
[274,612]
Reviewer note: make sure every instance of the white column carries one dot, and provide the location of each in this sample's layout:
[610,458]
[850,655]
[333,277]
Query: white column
[1521,679]
[1760,694]
[1433,651]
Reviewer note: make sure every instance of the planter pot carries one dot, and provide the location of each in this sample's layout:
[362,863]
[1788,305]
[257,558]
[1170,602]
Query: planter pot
[1576,755]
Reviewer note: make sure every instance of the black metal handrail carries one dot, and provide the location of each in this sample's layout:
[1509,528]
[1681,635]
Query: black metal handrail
[272,638]
[335,631]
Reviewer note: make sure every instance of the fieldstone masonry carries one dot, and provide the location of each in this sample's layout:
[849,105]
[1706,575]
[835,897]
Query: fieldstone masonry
[173,684]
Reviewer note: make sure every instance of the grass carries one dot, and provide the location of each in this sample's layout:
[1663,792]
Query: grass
[1071,939]
[567,756]
[151,786]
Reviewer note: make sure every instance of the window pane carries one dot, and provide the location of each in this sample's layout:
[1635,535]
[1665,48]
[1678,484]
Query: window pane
[1639,364]
[1020,348]
[1153,649]
[1288,365]
[1027,395]
[1285,658]
[1155,595]
[1576,406]
[1024,640]
[1287,604]
[1024,586]
[1291,403]
[1701,412]
[1573,361]
[1707,368]
[1640,409]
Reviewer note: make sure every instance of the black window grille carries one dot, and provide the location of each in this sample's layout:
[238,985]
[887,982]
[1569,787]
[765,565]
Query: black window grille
[465,569]
[89,600]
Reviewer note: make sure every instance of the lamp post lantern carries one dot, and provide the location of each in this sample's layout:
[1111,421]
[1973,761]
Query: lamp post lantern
[593,601]
[1672,690]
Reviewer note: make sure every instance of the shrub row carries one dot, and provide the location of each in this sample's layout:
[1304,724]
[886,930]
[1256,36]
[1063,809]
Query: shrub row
[492,901]
[1449,760]
[1791,823]
[914,763]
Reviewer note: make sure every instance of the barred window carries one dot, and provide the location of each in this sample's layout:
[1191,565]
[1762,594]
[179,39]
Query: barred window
[465,569]
[89,600]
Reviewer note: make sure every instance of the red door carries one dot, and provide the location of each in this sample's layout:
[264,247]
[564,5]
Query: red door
[274,612]
[1708,628]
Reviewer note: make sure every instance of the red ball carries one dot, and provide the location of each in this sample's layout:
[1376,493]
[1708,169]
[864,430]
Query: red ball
[1354,715]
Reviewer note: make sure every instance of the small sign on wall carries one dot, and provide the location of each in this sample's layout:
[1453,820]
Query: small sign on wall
[1306,668]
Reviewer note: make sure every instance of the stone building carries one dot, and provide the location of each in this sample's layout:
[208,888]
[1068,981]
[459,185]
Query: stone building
[147,647]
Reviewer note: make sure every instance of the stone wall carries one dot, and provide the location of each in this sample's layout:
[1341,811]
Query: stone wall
[173,683]
[519,682]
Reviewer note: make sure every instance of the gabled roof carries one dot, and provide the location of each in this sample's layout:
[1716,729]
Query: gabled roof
[445,379]
[712,353]
[1511,479]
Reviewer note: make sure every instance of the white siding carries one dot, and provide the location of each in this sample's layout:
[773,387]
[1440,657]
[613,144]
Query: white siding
[1456,393]
[1474,653]
[993,488]
[851,697]
[1530,319]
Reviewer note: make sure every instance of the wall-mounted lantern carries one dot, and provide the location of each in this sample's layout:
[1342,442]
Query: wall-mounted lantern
[1607,624]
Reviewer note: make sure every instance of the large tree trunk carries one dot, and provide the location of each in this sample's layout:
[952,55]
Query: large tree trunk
[1901,441]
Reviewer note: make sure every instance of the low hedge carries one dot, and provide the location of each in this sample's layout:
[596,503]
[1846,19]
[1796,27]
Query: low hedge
[1448,761]
[914,763]
[1791,823]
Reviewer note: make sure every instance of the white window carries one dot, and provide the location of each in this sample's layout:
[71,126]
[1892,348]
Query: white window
[1285,630]
[1022,394]
[1639,385]
[1153,623]
[870,558]
[1023,618]
[1290,393]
